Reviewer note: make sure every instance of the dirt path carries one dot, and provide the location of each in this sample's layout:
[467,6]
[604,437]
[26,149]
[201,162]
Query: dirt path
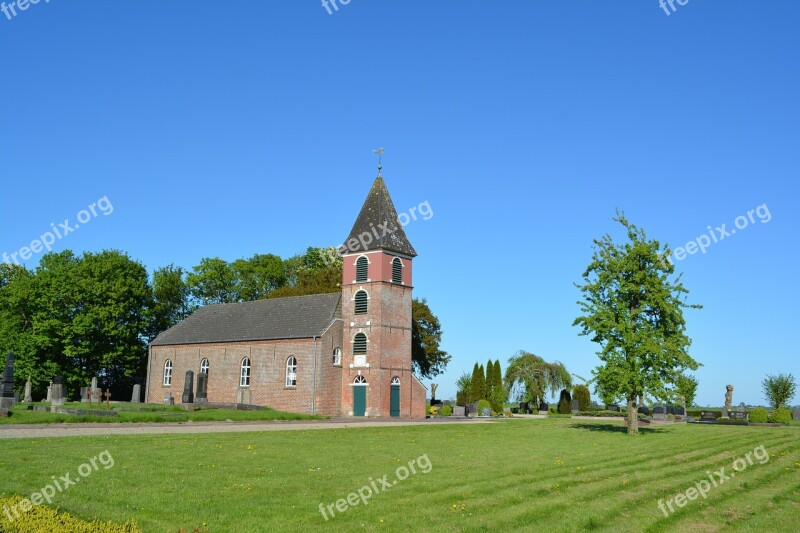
[31,431]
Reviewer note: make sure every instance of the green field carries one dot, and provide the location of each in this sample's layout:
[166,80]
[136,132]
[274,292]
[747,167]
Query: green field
[534,475]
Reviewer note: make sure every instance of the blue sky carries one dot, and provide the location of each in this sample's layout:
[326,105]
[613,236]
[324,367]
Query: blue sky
[228,129]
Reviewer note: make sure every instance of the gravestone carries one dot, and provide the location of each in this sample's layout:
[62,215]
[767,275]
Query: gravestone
[659,412]
[543,408]
[7,398]
[680,410]
[486,412]
[708,416]
[28,386]
[796,414]
[644,410]
[472,409]
[728,401]
[671,410]
[243,395]
[612,408]
[459,410]
[188,385]
[136,395]
[57,396]
[202,388]
[168,399]
[84,394]
[49,392]
[524,408]
[576,406]
[738,415]
[97,392]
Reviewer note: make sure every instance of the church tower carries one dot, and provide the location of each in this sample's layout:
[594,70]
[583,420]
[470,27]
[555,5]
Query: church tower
[377,379]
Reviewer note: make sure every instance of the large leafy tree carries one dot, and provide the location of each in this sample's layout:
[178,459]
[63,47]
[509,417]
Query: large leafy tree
[634,311]
[686,388]
[171,297]
[213,281]
[79,317]
[427,358]
[257,277]
[533,378]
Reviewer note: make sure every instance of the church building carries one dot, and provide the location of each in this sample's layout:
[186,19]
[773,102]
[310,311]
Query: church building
[339,354]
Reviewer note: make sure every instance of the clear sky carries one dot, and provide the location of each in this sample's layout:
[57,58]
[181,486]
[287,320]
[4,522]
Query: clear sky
[240,127]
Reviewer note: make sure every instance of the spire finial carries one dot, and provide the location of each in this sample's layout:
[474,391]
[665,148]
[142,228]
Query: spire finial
[379,153]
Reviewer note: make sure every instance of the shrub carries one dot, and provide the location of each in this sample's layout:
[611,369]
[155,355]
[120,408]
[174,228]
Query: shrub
[483,404]
[584,397]
[552,409]
[781,416]
[43,519]
[759,415]
[447,410]
[565,403]
[433,411]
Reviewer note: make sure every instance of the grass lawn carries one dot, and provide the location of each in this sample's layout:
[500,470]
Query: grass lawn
[145,414]
[535,475]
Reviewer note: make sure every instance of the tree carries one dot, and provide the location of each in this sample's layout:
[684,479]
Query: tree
[213,281]
[499,393]
[533,377]
[564,402]
[779,390]
[464,389]
[427,358]
[686,387]
[257,277]
[489,392]
[635,313]
[584,397]
[478,387]
[171,299]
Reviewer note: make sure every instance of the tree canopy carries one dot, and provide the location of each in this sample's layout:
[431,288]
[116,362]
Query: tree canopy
[530,378]
[634,311]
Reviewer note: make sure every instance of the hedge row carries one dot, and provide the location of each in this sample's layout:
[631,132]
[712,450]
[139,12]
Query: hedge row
[43,519]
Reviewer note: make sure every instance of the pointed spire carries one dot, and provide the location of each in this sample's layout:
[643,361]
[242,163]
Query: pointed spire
[377,226]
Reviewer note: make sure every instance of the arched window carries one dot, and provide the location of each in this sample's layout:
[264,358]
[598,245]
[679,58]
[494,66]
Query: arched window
[396,381]
[361,300]
[362,269]
[360,380]
[360,344]
[204,366]
[337,356]
[397,271]
[244,376]
[291,372]
[167,372]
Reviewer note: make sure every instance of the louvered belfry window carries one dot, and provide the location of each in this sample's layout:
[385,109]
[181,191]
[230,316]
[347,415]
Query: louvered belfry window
[362,269]
[360,344]
[397,271]
[361,303]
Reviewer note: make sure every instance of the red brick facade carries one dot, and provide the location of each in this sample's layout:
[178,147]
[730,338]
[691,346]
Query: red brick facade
[322,386]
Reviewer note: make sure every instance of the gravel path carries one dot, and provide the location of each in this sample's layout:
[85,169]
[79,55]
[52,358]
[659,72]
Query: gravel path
[29,431]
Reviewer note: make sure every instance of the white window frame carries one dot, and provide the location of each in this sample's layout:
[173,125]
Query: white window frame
[204,365]
[291,372]
[337,357]
[167,373]
[244,373]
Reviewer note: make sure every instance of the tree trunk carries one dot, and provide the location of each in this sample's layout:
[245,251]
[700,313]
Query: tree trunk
[633,417]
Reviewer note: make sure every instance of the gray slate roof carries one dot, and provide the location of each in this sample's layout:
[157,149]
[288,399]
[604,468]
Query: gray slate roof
[297,317]
[379,209]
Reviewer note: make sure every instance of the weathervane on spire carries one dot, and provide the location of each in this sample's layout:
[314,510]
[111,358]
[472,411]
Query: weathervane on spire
[379,153]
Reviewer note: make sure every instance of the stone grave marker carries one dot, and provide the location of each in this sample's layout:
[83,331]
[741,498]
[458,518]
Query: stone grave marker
[459,410]
[97,392]
[659,412]
[612,408]
[49,392]
[28,386]
[7,398]
[486,412]
[708,416]
[643,410]
[57,394]
[576,406]
[136,395]
[202,388]
[188,385]
[168,399]
[84,394]
[544,408]
[738,415]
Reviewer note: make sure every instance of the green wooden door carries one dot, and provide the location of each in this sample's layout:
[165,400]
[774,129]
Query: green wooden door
[394,408]
[359,400]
